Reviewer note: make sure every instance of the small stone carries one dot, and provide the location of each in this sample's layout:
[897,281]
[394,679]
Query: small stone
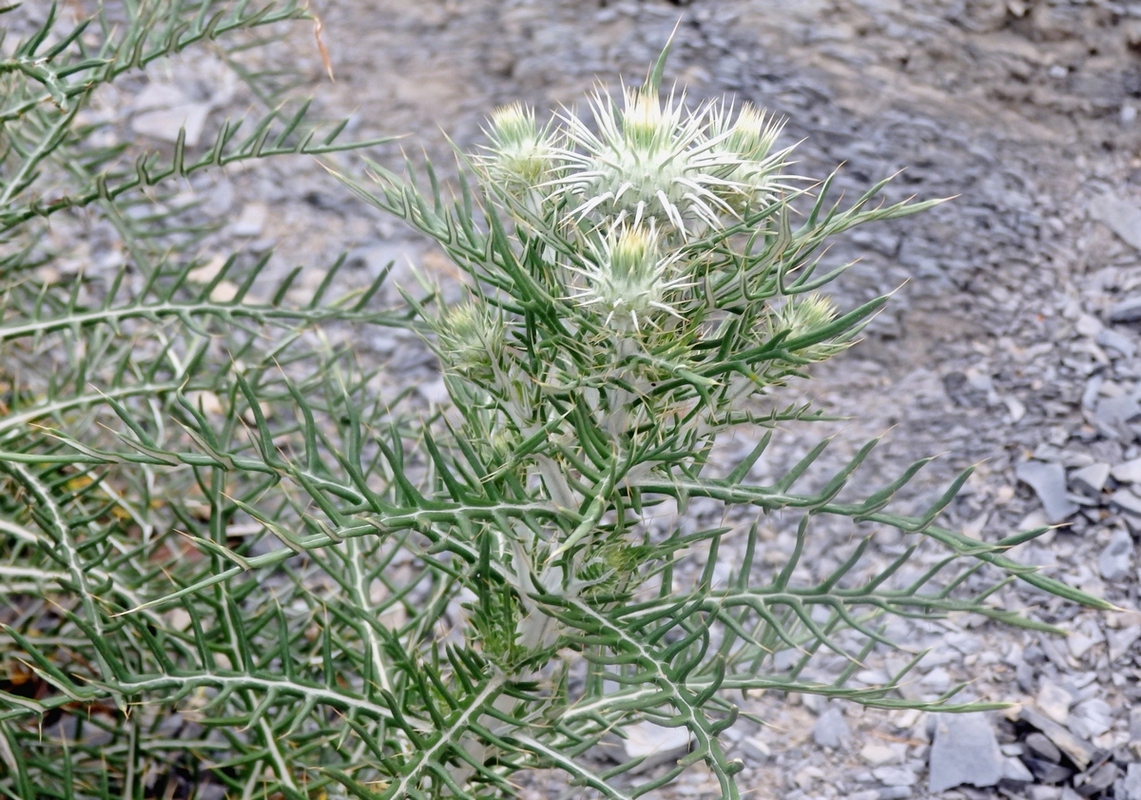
[158,95]
[1041,747]
[1088,325]
[964,751]
[894,793]
[1039,792]
[1118,341]
[251,222]
[1078,751]
[1054,701]
[1126,500]
[1014,771]
[830,729]
[1135,724]
[435,392]
[866,794]
[1046,771]
[1121,217]
[1128,310]
[1092,391]
[1015,407]
[1079,644]
[1090,480]
[805,778]
[937,681]
[1113,413]
[1116,558]
[1091,718]
[895,776]
[879,755]
[1048,482]
[755,749]
[1096,781]
[1127,471]
[1024,673]
[1132,783]
[654,743]
[166,123]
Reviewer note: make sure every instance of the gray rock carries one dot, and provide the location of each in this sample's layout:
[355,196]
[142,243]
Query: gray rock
[1112,414]
[1039,792]
[1128,310]
[1088,325]
[895,776]
[654,743]
[755,749]
[1024,673]
[1055,701]
[786,659]
[251,222]
[1126,500]
[1090,480]
[1132,784]
[1048,482]
[1091,392]
[1115,559]
[894,793]
[1040,747]
[878,754]
[1096,780]
[1034,655]
[166,123]
[965,751]
[1121,641]
[1091,718]
[1077,750]
[1115,340]
[1132,522]
[1127,471]
[1047,771]
[1119,216]
[830,729]
[1014,771]
[1135,724]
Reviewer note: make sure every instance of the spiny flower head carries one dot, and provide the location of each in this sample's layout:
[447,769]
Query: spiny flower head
[752,134]
[470,340]
[805,316]
[628,276]
[749,140]
[648,160]
[520,157]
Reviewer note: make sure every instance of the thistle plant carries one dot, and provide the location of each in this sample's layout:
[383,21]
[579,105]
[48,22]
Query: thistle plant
[233,565]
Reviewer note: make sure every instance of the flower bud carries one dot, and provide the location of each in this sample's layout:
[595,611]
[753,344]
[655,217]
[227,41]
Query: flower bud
[520,155]
[630,278]
[470,341]
[746,145]
[805,316]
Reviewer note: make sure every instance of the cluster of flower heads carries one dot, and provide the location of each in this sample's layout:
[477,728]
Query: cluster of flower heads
[685,171]
[644,179]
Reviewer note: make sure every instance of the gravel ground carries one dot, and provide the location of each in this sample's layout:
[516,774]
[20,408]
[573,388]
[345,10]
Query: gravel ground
[1012,343]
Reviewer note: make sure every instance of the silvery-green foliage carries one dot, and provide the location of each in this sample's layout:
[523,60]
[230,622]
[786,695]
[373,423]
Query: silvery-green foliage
[231,560]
